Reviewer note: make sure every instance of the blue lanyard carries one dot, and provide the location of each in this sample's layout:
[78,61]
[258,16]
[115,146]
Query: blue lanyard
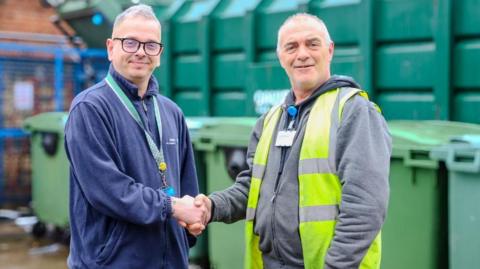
[157,153]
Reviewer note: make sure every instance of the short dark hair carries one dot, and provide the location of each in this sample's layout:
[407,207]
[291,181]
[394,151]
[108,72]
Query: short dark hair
[140,10]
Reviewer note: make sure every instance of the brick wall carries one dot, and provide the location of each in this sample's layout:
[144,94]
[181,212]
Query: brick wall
[26,16]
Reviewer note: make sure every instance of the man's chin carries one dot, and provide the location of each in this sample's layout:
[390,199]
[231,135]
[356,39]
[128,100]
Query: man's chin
[305,85]
[136,73]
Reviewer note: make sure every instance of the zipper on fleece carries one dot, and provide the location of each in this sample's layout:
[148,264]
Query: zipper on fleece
[283,153]
[144,114]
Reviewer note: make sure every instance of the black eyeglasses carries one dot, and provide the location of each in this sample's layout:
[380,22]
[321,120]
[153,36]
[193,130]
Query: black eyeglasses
[131,45]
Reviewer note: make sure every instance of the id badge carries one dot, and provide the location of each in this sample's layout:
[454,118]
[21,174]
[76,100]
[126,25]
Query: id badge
[285,138]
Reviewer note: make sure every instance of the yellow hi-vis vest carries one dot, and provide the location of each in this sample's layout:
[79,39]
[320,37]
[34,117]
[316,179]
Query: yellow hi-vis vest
[320,189]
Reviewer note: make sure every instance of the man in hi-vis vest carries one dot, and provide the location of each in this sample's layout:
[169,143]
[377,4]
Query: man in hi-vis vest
[316,191]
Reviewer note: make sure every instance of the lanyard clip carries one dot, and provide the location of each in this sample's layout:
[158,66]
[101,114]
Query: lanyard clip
[162,166]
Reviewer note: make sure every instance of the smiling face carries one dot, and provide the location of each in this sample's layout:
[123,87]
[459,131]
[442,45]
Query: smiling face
[136,67]
[305,54]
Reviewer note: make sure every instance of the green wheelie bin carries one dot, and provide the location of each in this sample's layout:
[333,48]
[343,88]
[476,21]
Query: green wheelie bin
[50,172]
[221,145]
[461,156]
[415,234]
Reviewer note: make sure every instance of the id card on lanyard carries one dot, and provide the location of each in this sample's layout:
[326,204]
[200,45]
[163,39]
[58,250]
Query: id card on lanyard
[156,152]
[285,137]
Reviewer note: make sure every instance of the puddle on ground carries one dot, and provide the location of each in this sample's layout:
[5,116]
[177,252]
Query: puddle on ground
[19,250]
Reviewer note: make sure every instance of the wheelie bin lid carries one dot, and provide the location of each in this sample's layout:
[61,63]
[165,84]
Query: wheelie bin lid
[414,140]
[461,154]
[46,122]
[208,133]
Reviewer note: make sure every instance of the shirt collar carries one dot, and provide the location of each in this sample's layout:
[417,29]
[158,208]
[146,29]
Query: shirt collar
[130,89]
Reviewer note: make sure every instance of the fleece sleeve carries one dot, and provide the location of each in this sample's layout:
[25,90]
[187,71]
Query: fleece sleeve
[90,146]
[363,158]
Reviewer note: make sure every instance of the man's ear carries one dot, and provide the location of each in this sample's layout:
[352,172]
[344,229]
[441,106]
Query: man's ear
[278,57]
[109,44]
[331,49]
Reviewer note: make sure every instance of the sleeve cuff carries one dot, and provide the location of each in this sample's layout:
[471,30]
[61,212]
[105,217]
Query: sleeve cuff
[216,204]
[168,206]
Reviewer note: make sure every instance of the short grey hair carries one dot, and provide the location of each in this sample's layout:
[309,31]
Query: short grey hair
[140,10]
[302,17]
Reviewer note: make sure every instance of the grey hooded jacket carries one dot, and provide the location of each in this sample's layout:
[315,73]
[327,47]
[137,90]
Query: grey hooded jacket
[363,158]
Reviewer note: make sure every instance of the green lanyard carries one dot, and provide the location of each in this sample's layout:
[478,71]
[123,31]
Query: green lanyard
[157,153]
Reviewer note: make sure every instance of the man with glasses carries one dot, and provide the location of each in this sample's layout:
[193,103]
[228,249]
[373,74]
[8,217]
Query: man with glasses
[131,159]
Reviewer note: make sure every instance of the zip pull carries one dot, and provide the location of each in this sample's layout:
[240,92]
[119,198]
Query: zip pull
[290,125]
[273,197]
[144,106]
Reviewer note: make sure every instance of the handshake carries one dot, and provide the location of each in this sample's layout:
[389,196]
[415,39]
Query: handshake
[192,213]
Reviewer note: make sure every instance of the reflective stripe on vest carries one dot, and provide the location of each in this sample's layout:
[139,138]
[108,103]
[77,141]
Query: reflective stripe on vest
[319,185]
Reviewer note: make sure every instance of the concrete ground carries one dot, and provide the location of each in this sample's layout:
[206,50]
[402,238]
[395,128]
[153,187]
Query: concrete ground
[19,250]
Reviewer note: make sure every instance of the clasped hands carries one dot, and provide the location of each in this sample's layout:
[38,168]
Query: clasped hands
[192,213]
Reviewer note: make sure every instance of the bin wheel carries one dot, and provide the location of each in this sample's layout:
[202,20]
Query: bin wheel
[66,237]
[235,161]
[62,235]
[39,229]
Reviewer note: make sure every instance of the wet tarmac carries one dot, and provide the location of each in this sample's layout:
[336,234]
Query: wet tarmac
[19,250]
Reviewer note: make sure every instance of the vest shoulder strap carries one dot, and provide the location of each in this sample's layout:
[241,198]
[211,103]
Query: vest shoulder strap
[346,93]
[270,114]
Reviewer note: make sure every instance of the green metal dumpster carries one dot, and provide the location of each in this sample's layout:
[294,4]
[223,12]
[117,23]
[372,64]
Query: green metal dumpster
[414,57]
[50,169]
[222,144]
[462,159]
[415,232]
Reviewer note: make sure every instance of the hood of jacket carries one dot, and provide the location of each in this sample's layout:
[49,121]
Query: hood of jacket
[335,81]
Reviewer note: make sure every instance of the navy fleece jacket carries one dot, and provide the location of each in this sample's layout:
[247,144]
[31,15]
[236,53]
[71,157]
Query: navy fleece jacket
[119,216]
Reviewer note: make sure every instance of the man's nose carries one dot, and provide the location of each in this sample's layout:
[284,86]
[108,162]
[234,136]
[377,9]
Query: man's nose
[303,53]
[141,51]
